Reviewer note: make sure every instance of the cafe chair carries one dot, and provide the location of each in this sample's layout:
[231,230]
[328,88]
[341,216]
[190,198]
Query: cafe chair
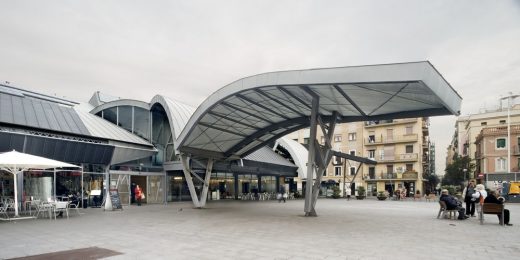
[61,206]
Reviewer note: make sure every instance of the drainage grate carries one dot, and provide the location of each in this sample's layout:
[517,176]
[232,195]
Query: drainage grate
[82,253]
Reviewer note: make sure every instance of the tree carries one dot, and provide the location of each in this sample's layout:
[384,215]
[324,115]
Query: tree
[455,174]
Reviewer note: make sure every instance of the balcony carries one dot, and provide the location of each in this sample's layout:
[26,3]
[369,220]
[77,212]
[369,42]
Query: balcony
[408,175]
[373,140]
[404,157]
[372,124]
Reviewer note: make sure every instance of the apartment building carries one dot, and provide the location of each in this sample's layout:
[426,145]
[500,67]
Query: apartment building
[483,137]
[400,147]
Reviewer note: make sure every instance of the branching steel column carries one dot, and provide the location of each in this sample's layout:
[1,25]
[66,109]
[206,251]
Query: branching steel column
[187,174]
[325,155]
[204,195]
[310,162]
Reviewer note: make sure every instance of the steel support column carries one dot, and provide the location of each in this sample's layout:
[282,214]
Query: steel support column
[198,203]
[187,175]
[310,161]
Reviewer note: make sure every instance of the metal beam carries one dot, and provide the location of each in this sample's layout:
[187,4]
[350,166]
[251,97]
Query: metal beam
[262,132]
[245,112]
[390,98]
[295,97]
[349,100]
[220,116]
[261,106]
[274,137]
[260,92]
[221,129]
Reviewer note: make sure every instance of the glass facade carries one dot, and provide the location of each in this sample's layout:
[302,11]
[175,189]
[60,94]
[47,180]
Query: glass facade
[162,137]
[142,122]
[125,119]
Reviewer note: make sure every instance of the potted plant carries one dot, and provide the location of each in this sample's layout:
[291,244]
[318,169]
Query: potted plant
[360,193]
[335,192]
[381,195]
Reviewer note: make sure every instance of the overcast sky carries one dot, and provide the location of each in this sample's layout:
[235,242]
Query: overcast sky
[188,49]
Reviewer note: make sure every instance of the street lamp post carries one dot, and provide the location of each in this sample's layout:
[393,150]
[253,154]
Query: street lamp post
[509,99]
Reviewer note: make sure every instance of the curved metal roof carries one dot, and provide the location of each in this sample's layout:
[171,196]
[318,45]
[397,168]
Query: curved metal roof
[248,113]
[178,113]
[299,154]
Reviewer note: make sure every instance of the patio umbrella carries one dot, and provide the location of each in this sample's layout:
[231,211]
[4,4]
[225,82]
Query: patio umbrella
[15,162]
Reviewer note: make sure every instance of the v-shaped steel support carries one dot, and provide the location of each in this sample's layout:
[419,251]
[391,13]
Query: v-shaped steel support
[319,156]
[188,173]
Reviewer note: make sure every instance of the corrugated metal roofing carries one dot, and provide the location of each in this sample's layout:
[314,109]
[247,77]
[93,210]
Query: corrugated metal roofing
[20,110]
[248,113]
[299,154]
[99,127]
[267,155]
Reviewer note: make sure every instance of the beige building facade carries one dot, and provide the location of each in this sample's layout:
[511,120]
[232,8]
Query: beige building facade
[483,137]
[400,147]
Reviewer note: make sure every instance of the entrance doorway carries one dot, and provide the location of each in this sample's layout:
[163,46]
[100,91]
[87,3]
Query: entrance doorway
[141,181]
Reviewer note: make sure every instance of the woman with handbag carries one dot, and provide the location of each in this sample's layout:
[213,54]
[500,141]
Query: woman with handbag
[138,195]
[467,194]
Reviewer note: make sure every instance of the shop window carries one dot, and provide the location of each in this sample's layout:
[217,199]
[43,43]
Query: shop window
[501,143]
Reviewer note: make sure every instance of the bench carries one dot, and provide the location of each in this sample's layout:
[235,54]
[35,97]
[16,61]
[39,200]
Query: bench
[444,210]
[492,208]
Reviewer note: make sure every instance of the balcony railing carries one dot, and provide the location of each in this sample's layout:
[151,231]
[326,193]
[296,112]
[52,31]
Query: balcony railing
[376,123]
[374,140]
[403,157]
[392,175]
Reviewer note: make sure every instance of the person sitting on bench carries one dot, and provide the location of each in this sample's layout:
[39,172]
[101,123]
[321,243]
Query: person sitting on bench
[453,204]
[492,198]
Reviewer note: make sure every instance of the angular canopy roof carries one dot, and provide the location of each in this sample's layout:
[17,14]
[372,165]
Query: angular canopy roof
[246,114]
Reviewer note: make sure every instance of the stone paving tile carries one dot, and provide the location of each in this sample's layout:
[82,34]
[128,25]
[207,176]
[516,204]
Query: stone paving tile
[367,229]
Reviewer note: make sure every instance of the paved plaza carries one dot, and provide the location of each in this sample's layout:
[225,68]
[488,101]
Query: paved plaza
[355,229]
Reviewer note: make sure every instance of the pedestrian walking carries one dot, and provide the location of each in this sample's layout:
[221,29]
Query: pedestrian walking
[138,195]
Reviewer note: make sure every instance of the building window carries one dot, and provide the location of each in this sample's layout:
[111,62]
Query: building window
[409,130]
[409,149]
[502,121]
[372,173]
[352,171]
[337,160]
[501,143]
[483,123]
[306,140]
[325,172]
[337,171]
[352,136]
[409,167]
[500,164]
[371,154]
[337,138]
[352,152]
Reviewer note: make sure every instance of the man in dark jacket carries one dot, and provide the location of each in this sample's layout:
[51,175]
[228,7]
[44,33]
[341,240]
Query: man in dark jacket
[452,203]
[492,198]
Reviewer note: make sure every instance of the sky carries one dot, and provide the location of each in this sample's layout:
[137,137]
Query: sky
[187,50]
